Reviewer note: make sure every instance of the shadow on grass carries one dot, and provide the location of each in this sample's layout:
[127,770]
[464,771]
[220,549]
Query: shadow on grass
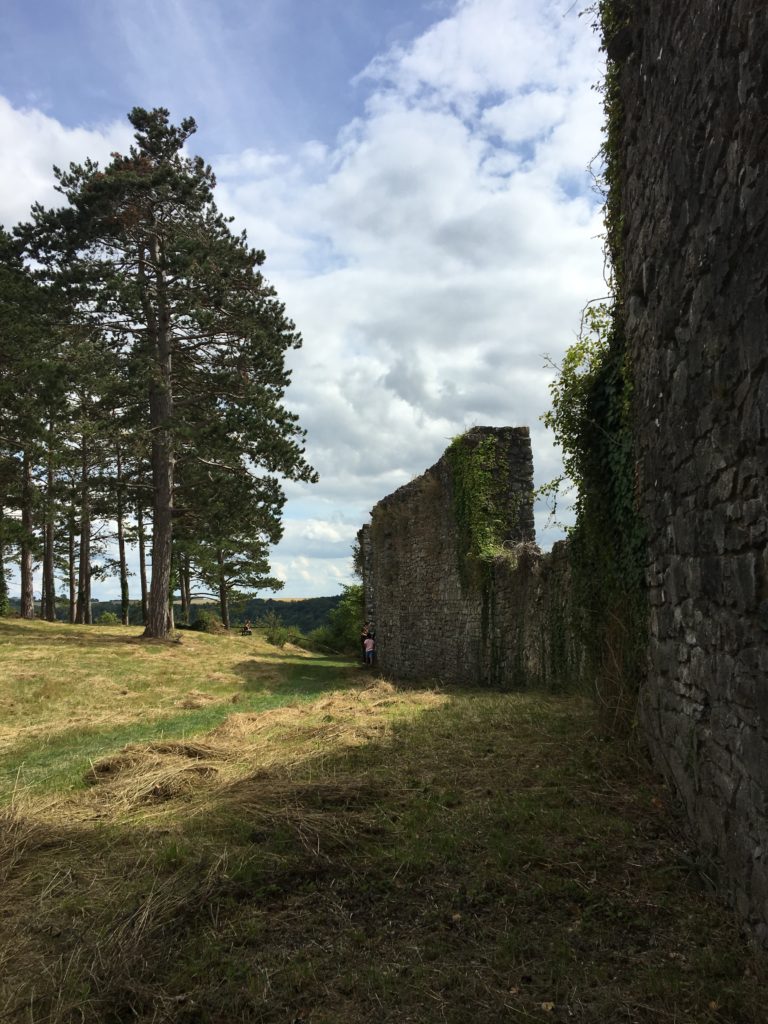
[296,675]
[483,861]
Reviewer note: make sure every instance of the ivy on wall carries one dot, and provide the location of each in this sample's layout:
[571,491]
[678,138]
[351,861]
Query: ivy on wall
[486,515]
[591,417]
[479,517]
[487,519]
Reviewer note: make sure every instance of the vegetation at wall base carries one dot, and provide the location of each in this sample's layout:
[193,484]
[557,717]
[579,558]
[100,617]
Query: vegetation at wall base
[248,834]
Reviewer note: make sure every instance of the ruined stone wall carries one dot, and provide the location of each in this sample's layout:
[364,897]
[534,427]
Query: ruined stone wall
[694,271]
[694,86]
[441,614]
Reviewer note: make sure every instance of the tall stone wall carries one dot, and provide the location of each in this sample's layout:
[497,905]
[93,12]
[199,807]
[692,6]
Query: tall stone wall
[693,81]
[498,619]
[694,85]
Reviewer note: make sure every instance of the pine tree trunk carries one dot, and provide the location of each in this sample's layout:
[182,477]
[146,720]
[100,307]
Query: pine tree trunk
[124,594]
[160,417]
[142,565]
[49,580]
[162,523]
[187,584]
[171,591]
[83,613]
[184,587]
[71,556]
[125,600]
[27,609]
[223,593]
[4,603]
[43,612]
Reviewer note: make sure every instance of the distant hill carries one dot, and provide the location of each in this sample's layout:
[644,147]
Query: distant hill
[305,613]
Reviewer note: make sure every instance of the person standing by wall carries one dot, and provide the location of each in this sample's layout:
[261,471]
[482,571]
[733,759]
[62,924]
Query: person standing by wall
[370,647]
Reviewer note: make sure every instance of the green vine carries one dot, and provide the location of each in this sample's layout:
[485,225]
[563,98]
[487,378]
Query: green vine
[613,19]
[480,518]
[591,417]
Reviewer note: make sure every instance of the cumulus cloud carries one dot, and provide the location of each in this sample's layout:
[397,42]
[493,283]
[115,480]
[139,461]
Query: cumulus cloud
[32,144]
[430,257]
[460,234]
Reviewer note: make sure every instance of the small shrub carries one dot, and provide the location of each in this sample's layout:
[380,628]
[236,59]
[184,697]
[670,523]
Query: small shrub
[275,630]
[342,631]
[207,622]
[108,619]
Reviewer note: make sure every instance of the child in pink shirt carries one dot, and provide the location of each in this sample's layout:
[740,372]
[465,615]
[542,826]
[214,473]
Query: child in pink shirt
[370,646]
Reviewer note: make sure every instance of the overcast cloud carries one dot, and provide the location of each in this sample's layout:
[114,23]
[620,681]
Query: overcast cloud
[431,254]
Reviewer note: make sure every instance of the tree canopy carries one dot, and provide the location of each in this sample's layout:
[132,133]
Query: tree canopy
[155,352]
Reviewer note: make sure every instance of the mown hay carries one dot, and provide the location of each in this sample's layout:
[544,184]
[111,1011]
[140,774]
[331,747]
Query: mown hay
[195,699]
[17,833]
[346,716]
[155,772]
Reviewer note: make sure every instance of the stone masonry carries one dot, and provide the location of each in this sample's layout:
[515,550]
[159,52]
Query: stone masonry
[694,194]
[694,85]
[486,623]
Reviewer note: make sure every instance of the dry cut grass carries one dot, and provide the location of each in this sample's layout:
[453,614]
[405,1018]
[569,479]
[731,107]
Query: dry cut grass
[374,854]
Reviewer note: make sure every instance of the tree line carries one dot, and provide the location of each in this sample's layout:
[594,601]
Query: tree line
[142,377]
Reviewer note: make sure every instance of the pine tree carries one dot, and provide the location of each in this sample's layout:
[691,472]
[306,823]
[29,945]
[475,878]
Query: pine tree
[27,373]
[182,301]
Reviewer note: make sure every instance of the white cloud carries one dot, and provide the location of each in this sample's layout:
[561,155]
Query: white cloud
[430,258]
[32,144]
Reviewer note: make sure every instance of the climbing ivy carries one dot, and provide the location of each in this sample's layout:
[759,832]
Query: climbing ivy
[613,18]
[479,518]
[591,417]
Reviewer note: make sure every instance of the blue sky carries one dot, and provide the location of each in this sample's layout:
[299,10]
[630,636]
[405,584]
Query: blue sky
[417,174]
[253,72]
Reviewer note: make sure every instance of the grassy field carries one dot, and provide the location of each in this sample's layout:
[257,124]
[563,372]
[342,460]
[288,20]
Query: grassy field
[217,831]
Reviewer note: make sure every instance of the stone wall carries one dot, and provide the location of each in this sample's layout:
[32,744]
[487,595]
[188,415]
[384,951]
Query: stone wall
[442,613]
[694,85]
[694,197]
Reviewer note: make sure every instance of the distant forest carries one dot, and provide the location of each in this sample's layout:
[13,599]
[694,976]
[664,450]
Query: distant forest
[306,614]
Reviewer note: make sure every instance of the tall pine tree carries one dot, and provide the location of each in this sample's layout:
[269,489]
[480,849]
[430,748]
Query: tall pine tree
[181,300]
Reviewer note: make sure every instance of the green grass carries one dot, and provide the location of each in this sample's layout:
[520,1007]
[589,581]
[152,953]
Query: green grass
[360,853]
[61,762]
[52,672]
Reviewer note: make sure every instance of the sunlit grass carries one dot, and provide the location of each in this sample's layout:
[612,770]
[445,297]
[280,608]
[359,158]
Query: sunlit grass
[70,694]
[333,849]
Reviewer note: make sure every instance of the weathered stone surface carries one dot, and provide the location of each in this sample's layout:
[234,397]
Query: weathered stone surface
[695,206]
[500,621]
[694,85]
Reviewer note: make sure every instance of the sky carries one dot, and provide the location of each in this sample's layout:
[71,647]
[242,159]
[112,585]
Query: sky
[419,173]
